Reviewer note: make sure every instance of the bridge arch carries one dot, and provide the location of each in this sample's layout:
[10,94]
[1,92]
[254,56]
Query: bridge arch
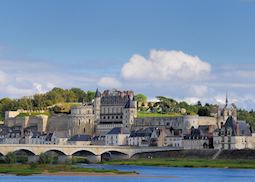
[24,152]
[55,152]
[83,152]
[113,154]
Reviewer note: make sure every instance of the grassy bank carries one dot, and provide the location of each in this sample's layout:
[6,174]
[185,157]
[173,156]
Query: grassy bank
[151,115]
[25,170]
[196,163]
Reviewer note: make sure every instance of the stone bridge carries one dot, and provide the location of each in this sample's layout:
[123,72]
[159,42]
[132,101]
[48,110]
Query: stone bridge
[93,152]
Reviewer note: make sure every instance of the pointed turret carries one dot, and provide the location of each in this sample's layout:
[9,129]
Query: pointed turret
[226,100]
[97,94]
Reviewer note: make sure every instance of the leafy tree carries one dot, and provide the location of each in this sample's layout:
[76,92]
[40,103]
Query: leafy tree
[89,96]
[140,98]
[204,111]
[80,94]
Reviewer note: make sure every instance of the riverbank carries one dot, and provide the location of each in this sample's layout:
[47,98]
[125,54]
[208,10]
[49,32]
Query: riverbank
[59,170]
[192,163]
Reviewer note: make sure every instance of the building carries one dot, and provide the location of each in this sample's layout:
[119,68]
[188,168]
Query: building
[195,140]
[108,110]
[80,140]
[146,137]
[82,120]
[117,136]
[173,137]
[234,135]
[225,112]
[60,137]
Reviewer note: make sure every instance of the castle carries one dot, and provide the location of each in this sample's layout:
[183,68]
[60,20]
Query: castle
[111,109]
[108,110]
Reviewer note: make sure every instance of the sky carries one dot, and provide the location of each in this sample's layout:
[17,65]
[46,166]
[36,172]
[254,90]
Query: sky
[188,50]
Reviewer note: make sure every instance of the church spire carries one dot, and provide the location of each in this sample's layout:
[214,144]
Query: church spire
[226,98]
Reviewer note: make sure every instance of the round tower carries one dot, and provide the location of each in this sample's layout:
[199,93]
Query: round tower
[129,113]
[97,106]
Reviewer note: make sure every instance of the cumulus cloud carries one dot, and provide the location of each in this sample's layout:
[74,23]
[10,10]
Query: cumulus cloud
[198,90]
[165,65]
[109,82]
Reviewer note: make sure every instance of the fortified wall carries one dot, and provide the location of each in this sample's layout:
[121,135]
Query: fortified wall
[40,121]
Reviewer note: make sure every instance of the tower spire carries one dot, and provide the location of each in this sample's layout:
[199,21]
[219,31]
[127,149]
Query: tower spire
[226,98]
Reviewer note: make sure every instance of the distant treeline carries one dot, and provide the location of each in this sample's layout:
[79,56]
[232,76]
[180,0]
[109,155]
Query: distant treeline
[42,101]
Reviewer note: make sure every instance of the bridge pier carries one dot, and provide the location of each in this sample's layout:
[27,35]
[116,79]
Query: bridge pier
[64,158]
[33,159]
[94,158]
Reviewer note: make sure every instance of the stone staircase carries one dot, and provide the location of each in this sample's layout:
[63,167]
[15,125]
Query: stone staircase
[216,155]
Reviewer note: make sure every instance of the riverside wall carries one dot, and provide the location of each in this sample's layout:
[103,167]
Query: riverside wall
[199,154]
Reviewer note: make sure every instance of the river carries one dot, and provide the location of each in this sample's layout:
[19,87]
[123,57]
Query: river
[148,174]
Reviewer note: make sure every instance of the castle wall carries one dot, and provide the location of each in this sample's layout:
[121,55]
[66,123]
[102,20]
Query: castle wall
[40,121]
[58,122]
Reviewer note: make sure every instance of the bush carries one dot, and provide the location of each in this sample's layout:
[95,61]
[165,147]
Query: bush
[76,160]
[22,159]
[47,159]
[10,158]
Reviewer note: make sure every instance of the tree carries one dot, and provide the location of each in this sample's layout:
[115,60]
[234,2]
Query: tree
[80,94]
[89,96]
[140,98]
[199,103]
[10,158]
[204,111]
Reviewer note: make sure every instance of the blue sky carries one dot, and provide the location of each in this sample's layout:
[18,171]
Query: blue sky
[87,44]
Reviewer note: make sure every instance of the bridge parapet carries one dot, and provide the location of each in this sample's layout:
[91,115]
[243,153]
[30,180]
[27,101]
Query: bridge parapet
[69,150]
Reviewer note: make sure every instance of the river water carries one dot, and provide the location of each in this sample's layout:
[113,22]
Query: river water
[148,174]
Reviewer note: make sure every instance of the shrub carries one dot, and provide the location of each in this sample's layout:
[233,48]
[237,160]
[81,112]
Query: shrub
[10,158]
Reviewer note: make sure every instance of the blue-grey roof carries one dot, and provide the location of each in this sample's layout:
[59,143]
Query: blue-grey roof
[97,94]
[231,123]
[118,130]
[80,138]
[142,133]
[130,103]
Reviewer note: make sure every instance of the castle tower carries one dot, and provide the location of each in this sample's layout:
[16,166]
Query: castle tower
[129,113]
[97,106]
[225,112]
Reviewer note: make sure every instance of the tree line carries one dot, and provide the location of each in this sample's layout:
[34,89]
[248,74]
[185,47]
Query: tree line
[42,101]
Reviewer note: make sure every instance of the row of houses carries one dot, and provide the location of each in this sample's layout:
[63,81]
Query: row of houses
[232,135]
[13,135]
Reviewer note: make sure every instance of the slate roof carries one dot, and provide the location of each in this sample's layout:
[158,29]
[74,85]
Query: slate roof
[49,137]
[142,133]
[61,134]
[230,123]
[97,94]
[80,138]
[117,131]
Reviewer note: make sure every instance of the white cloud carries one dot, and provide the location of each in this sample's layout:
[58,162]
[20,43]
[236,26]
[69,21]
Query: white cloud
[109,82]
[198,90]
[192,100]
[162,65]
[3,77]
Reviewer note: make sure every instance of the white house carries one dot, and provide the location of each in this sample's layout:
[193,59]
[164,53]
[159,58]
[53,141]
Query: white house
[117,136]
[60,137]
